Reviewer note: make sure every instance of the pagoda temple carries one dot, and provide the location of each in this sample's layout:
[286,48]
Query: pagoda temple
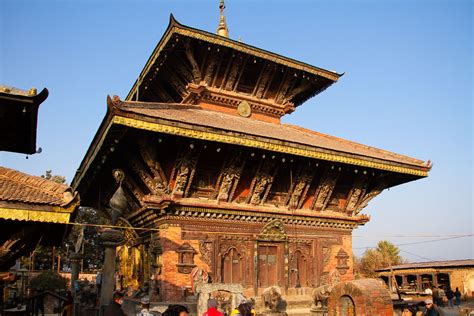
[218,186]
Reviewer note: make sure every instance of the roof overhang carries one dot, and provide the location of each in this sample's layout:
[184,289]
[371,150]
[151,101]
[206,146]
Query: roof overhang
[18,119]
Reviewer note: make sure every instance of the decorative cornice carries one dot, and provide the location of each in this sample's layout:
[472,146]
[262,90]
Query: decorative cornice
[187,212]
[35,215]
[235,140]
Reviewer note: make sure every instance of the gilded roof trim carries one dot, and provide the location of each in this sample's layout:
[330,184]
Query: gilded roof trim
[180,131]
[175,27]
[61,217]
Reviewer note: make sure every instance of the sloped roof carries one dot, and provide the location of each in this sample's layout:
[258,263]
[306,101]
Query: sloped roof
[288,135]
[175,29]
[27,197]
[433,264]
[16,186]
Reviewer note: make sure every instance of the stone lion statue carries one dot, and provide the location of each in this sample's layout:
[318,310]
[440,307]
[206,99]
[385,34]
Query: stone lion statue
[320,297]
[271,297]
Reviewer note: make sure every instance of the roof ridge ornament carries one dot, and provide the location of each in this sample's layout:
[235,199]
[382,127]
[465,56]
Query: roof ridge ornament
[222,29]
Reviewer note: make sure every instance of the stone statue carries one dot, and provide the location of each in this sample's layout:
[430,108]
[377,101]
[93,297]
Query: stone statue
[271,297]
[320,297]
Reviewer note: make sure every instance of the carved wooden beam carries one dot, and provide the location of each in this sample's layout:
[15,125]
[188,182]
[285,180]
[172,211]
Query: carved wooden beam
[209,70]
[149,154]
[176,83]
[326,187]
[185,168]
[300,188]
[357,191]
[364,201]
[234,71]
[138,168]
[219,65]
[264,81]
[288,85]
[295,91]
[230,175]
[241,72]
[182,70]
[192,61]
[262,182]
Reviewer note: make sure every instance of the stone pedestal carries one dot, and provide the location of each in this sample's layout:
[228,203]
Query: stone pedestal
[111,238]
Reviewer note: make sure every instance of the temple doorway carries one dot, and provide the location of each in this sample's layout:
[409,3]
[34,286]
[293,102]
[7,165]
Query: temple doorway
[267,265]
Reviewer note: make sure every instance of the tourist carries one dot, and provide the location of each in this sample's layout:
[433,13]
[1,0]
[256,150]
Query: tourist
[442,296]
[176,310]
[244,309]
[115,306]
[457,295]
[145,307]
[407,312]
[450,297]
[430,309]
[212,308]
[436,298]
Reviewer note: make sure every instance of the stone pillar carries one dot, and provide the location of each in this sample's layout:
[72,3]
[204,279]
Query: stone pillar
[76,259]
[111,238]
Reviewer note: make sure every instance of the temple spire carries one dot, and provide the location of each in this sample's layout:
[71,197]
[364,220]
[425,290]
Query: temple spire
[222,28]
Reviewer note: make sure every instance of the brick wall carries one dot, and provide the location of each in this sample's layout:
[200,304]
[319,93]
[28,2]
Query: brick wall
[369,297]
[172,283]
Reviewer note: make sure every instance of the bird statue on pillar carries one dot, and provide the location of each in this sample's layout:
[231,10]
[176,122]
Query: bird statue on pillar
[118,202]
[222,28]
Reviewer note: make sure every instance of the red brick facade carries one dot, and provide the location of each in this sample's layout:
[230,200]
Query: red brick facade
[360,297]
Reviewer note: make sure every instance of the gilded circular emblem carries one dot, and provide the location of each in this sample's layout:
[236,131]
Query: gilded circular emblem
[244,109]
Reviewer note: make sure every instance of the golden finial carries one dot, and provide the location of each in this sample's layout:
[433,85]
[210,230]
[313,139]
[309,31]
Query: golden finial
[222,28]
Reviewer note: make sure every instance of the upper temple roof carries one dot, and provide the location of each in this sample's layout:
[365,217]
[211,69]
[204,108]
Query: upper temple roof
[193,66]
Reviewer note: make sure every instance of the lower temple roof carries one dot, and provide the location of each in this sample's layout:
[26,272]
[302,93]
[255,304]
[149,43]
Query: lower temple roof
[193,121]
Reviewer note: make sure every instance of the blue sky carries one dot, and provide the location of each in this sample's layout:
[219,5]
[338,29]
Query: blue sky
[407,88]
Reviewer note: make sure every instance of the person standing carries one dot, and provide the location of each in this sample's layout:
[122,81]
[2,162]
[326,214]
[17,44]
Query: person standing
[457,295]
[176,310]
[212,308]
[430,309]
[145,307]
[450,297]
[115,306]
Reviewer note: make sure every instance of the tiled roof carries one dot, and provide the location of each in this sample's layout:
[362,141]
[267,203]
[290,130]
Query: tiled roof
[433,264]
[16,186]
[283,132]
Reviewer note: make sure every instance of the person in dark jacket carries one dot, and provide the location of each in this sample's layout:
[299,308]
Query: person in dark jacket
[430,309]
[115,306]
[457,295]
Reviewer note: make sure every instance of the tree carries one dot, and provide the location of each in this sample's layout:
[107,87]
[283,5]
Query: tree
[48,281]
[49,175]
[384,255]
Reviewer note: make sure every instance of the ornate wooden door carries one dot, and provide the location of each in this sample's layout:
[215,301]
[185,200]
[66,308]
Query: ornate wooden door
[298,270]
[267,265]
[232,268]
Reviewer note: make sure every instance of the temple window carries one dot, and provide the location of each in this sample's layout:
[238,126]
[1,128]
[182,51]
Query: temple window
[185,258]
